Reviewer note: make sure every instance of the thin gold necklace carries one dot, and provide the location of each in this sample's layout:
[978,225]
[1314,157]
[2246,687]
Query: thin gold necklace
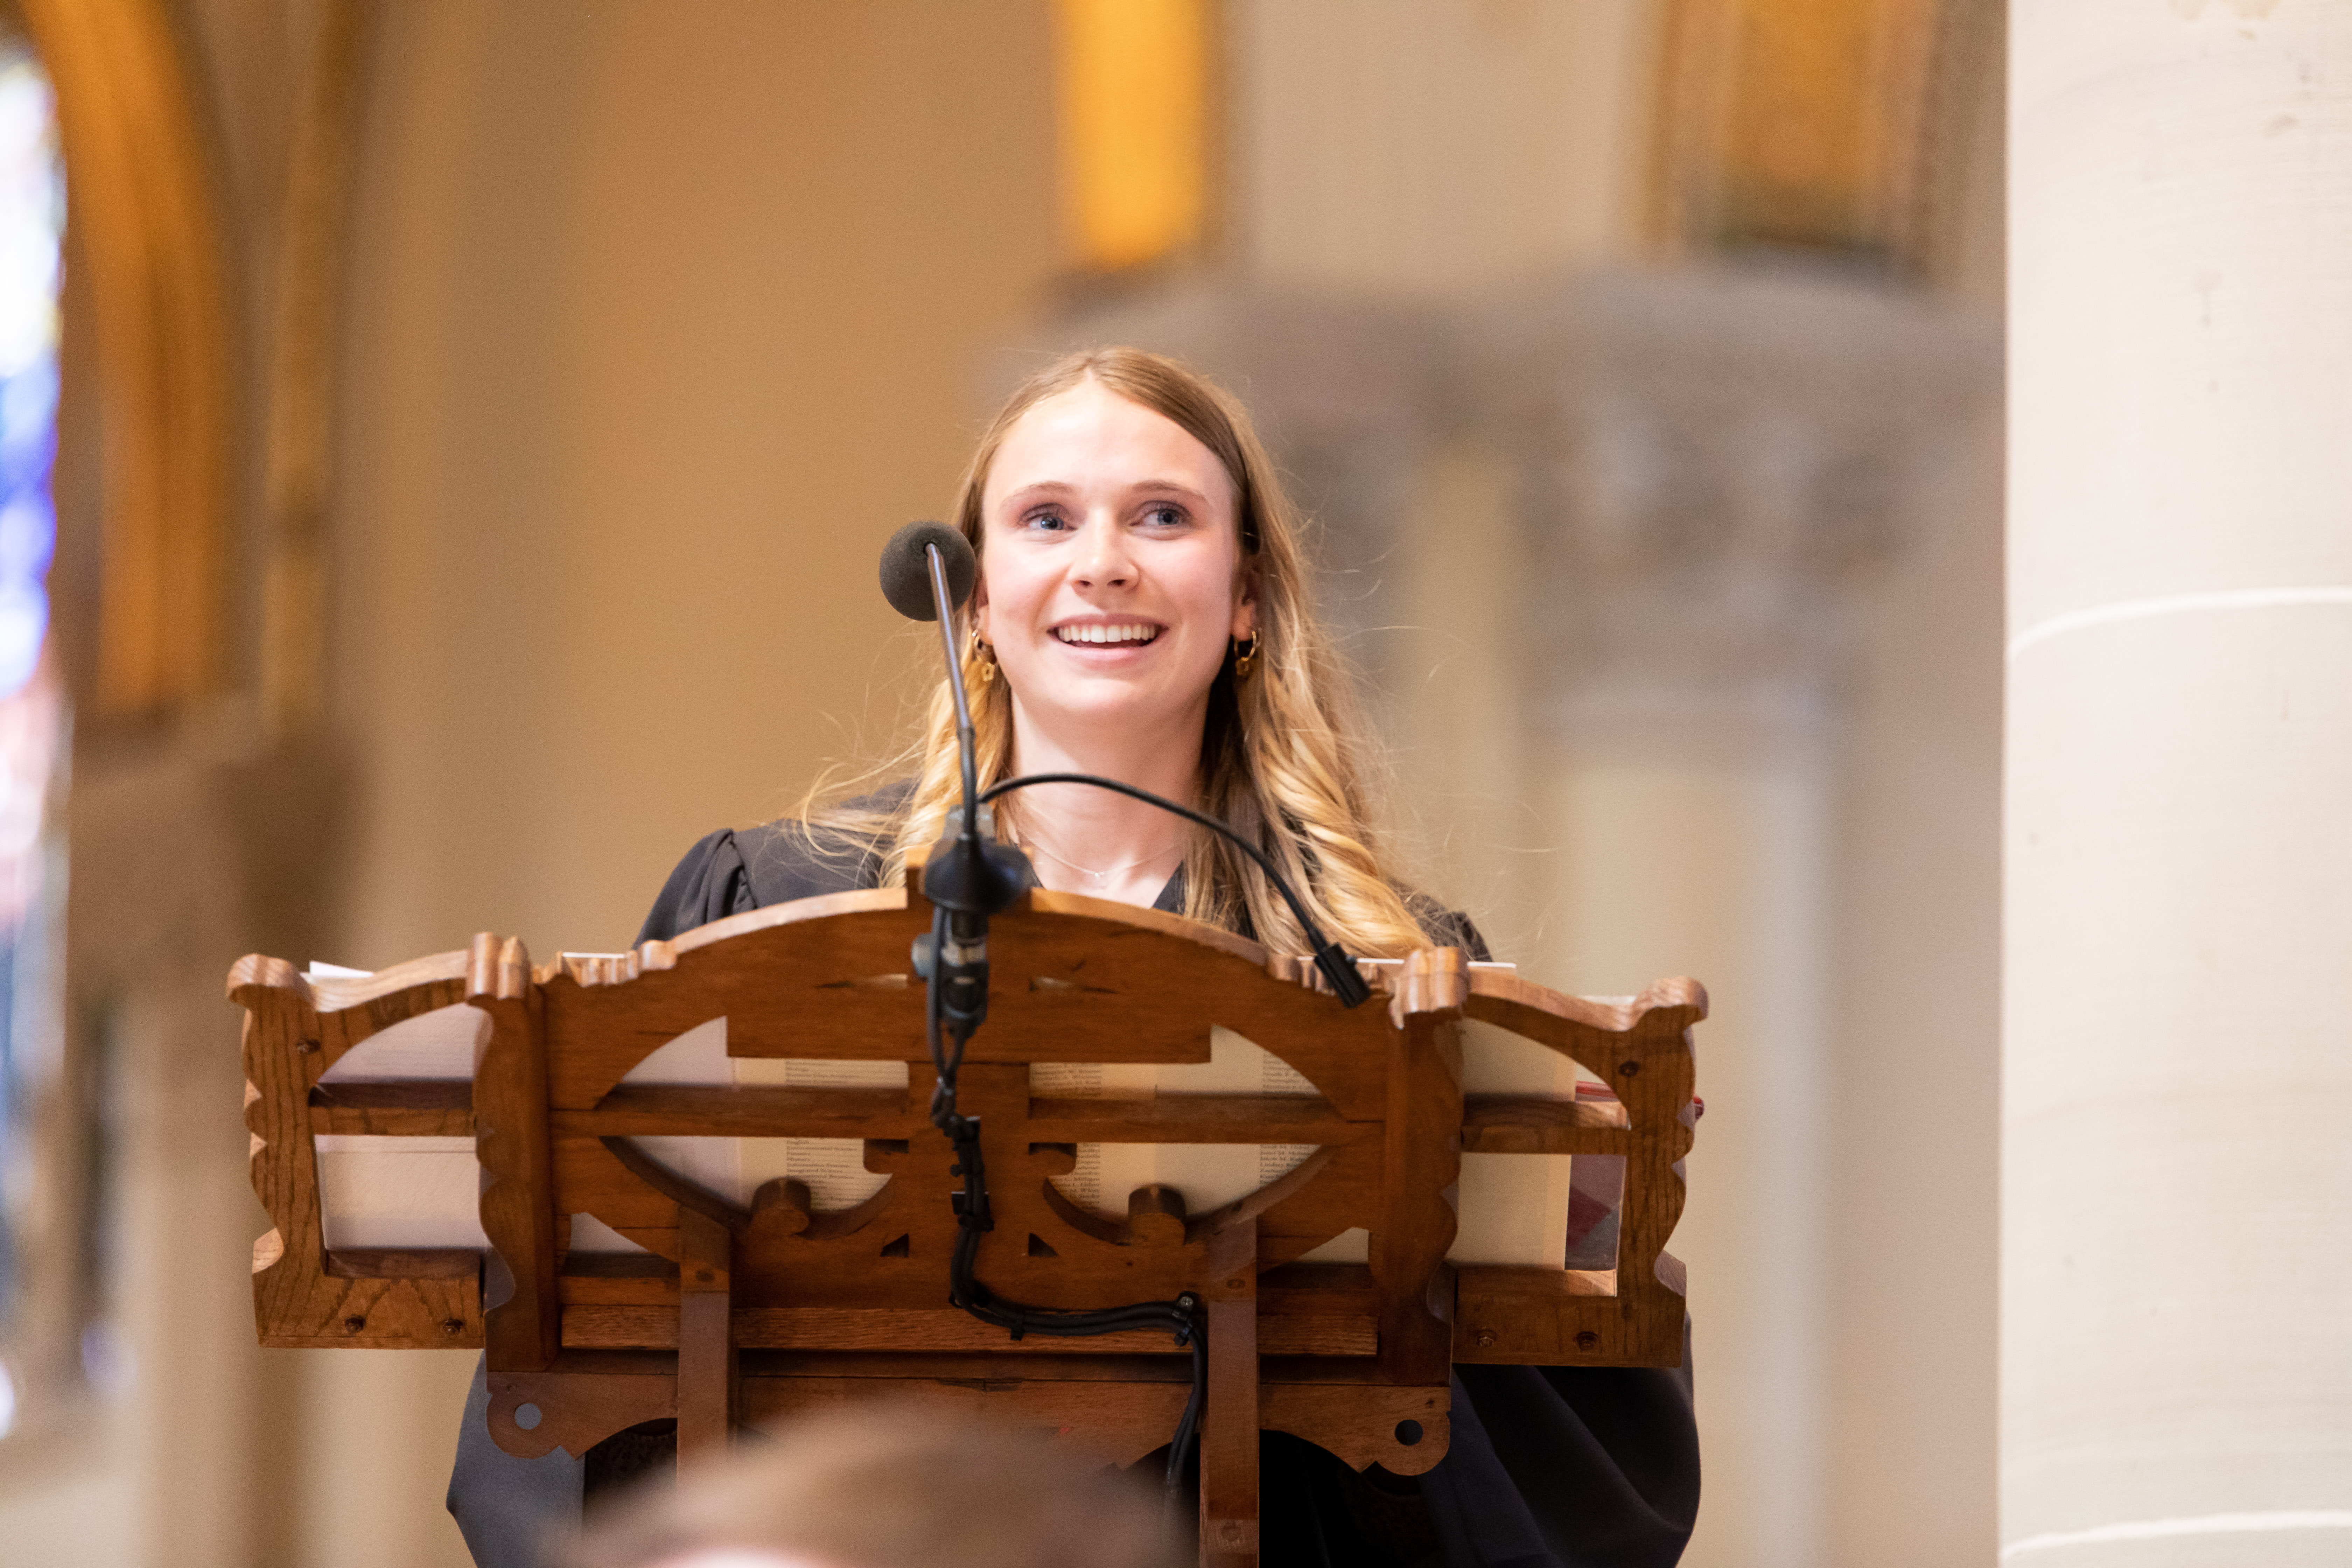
[1102,877]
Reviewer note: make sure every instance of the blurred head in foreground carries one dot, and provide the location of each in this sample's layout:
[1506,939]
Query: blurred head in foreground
[889,1487]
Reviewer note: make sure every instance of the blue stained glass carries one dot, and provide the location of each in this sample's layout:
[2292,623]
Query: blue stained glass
[29,423]
[33,722]
[32,213]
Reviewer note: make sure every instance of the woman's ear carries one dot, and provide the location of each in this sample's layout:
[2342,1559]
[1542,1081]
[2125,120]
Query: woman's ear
[1245,610]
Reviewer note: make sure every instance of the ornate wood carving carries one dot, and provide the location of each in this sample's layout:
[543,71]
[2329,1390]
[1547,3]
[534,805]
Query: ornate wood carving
[742,1314]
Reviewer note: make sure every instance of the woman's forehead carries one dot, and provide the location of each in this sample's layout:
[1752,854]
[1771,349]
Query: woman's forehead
[1089,438]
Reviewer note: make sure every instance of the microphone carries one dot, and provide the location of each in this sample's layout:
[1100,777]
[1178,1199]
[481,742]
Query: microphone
[906,569]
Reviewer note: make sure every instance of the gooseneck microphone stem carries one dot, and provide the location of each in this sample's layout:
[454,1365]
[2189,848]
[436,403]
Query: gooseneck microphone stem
[966,749]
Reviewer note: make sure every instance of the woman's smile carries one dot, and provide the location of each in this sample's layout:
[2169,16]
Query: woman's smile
[1093,634]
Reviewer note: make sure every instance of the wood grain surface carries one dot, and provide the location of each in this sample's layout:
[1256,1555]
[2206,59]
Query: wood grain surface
[738,1314]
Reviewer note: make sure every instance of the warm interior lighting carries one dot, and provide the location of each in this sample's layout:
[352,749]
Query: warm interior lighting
[1133,101]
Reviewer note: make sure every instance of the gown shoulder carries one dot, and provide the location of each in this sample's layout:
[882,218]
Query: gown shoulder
[740,868]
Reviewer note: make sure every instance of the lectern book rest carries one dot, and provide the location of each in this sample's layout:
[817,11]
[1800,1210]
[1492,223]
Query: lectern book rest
[703,1182]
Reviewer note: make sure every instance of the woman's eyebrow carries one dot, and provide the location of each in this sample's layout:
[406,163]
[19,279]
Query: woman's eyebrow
[1171,487]
[1045,487]
[1042,486]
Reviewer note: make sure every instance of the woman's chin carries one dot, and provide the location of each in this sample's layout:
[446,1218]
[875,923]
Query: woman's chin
[1103,702]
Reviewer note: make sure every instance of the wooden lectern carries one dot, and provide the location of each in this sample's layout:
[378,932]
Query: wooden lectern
[740,1315]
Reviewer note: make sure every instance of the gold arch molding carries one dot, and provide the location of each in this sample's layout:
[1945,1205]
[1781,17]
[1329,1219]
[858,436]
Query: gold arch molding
[144,228]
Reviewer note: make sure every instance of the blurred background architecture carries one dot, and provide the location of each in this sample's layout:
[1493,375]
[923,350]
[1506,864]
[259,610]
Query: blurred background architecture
[476,424]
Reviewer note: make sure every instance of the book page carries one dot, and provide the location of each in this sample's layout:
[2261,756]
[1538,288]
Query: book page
[440,1044]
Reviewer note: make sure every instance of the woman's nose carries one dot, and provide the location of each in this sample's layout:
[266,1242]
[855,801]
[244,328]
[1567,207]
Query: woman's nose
[1104,561]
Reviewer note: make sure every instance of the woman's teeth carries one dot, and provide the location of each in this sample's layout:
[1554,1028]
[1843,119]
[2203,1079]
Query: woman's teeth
[1095,634]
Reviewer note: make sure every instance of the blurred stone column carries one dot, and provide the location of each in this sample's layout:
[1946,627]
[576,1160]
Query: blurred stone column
[1704,463]
[2177,1214]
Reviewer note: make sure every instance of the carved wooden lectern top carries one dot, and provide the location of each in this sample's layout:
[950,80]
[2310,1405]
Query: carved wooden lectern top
[730,1313]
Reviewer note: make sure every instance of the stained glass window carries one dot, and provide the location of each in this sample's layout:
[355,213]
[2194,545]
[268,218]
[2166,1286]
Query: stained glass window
[32,709]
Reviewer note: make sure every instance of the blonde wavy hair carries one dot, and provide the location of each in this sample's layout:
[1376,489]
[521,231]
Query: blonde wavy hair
[1283,757]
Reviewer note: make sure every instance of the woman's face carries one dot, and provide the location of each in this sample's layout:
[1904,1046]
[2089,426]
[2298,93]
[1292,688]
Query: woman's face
[1110,572]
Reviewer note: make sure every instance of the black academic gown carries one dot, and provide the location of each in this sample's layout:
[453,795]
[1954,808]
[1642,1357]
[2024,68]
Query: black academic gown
[1548,1467]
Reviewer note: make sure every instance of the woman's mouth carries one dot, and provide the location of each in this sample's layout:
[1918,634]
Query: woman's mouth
[1099,634]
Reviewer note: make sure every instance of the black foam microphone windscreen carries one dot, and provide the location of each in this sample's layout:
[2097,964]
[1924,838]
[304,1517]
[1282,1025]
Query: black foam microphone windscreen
[907,575]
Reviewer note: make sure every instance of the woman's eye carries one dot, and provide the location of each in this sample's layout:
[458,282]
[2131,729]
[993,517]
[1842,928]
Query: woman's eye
[1048,522]
[1165,516]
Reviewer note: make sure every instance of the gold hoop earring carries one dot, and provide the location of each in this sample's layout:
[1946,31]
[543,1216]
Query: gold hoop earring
[983,655]
[1245,658]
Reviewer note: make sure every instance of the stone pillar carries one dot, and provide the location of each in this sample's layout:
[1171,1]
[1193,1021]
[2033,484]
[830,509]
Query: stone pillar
[2177,1155]
[1707,464]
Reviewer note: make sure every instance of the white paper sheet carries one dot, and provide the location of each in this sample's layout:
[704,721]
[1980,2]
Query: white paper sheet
[376,1192]
[440,1044]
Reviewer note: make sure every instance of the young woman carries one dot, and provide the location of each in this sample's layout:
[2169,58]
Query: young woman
[1141,614]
